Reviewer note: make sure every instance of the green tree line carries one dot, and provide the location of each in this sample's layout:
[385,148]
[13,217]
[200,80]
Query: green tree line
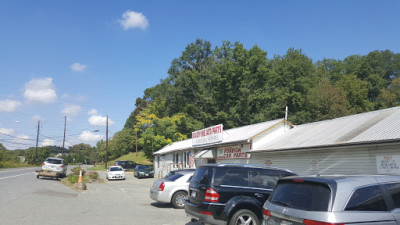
[235,86]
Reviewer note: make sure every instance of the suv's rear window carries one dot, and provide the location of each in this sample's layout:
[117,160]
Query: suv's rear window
[54,161]
[307,196]
[200,176]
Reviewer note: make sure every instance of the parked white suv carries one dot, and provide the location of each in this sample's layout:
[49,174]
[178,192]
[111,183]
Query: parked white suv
[55,164]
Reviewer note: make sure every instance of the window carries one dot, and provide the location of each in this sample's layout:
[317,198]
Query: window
[264,179]
[54,161]
[309,196]
[232,177]
[174,177]
[394,191]
[367,199]
[200,176]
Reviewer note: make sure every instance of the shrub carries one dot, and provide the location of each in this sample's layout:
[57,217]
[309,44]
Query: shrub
[77,169]
[72,178]
[93,175]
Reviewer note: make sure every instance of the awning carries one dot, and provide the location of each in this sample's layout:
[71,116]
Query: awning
[205,154]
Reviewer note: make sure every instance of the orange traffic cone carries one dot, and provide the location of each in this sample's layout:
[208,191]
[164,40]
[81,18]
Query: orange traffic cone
[80,177]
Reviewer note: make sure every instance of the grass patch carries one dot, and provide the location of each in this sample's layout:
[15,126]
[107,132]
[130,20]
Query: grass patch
[12,164]
[140,159]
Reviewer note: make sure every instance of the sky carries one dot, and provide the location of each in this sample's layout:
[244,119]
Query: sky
[85,60]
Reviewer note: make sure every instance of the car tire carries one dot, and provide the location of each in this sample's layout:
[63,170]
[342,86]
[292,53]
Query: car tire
[244,216]
[178,199]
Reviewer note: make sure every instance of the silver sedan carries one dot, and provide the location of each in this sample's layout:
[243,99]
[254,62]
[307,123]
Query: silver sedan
[173,189]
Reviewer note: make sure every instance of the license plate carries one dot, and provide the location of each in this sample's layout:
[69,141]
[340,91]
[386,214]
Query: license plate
[147,174]
[285,222]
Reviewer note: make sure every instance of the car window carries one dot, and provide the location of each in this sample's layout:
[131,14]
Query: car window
[394,191]
[367,199]
[174,177]
[309,196]
[232,177]
[200,176]
[115,169]
[264,178]
[54,161]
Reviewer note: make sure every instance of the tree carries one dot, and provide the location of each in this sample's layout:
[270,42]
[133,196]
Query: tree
[390,97]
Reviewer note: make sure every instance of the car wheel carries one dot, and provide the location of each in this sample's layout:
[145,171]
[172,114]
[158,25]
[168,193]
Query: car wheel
[178,199]
[244,217]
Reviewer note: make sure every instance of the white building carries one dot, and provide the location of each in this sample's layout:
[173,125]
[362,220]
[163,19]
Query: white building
[362,143]
[234,146]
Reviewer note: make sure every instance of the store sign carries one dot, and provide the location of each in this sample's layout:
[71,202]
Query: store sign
[234,152]
[388,163]
[207,136]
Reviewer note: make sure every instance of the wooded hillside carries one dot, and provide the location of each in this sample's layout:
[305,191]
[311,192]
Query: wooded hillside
[234,86]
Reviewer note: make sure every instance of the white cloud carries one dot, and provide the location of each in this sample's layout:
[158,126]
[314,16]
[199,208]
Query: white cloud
[77,67]
[97,120]
[48,142]
[71,110]
[6,131]
[89,136]
[93,112]
[40,90]
[131,19]
[9,105]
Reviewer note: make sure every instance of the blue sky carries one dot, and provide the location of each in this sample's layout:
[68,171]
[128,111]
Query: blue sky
[90,59]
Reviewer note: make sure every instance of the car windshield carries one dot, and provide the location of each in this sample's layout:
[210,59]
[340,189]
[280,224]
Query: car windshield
[309,196]
[54,161]
[143,167]
[115,169]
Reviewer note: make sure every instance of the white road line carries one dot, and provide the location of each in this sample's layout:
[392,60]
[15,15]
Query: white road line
[16,175]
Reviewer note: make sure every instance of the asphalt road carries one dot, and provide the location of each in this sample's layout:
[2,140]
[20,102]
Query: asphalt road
[28,200]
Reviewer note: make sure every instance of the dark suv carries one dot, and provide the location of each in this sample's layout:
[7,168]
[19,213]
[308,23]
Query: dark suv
[231,193]
[128,165]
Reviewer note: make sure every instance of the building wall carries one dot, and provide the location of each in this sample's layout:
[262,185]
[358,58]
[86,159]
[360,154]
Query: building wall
[371,159]
[171,161]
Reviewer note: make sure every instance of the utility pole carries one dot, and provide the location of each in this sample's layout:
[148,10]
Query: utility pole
[65,127]
[37,141]
[106,140]
[136,142]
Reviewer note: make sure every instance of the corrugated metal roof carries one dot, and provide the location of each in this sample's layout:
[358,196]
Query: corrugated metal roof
[239,134]
[372,126]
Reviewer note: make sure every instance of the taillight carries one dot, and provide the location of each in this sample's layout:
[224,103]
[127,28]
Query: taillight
[161,187]
[312,222]
[211,196]
[266,212]
[43,164]
[62,166]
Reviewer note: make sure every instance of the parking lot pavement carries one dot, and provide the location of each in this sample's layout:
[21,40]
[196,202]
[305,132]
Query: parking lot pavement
[128,202]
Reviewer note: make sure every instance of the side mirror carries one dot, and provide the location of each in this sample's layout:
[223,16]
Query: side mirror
[107,170]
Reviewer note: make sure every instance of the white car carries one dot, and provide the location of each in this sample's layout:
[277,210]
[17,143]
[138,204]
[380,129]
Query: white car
[173,189]
[115,172]
[56,165]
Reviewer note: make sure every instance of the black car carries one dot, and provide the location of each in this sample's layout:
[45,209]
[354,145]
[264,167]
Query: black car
[234,194]
[143,171]
[128,165]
